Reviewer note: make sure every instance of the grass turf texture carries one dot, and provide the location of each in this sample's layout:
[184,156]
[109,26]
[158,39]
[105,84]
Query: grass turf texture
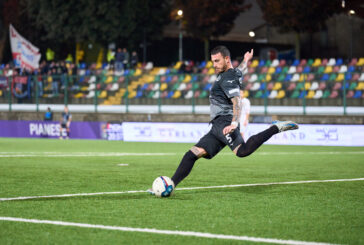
[321,212]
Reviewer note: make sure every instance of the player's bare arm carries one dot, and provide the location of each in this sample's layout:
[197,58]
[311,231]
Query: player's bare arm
[236,115]
[244,64]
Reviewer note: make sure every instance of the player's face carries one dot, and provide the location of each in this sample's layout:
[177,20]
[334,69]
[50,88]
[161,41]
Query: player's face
[219,62]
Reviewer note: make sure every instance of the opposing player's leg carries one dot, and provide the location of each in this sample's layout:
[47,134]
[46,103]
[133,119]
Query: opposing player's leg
[67,132]
[61,132]
[255,141]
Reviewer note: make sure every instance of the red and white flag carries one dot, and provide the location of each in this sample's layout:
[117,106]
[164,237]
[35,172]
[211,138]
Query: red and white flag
[25,54]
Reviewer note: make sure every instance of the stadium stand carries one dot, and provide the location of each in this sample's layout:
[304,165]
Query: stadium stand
[280,81]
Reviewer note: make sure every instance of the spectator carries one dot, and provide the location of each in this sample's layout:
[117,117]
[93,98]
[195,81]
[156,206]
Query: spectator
[54,78]
[134,60]
[48,115]
[49,55]
[110,57]
[119,60]
[39,81]
[126,58]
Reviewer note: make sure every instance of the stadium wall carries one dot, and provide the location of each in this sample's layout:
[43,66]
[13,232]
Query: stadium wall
[184,117]
[308,134]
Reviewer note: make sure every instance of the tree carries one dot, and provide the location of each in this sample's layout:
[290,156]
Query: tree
[120,21]
[299,16]
[205,19]
[10,14]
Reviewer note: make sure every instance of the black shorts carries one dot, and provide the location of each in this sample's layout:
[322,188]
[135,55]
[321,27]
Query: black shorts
[64,125]
[214,141]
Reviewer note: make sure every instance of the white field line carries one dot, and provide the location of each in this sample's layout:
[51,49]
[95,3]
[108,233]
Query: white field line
[165,232]
[116,154]
[181,189]
[82,154]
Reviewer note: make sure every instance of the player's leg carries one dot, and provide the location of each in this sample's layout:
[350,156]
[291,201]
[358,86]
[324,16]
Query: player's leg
[255,141]
[61,132]
[187,163]
[207,147]
[67,132]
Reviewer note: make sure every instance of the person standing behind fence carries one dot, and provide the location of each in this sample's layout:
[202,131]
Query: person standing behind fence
[126,58]
[65,123]
[119,60]
[48,115]
[134,60]
[245,113]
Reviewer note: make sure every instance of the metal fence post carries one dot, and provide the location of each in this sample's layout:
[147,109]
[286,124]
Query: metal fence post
[35,80]
[65,89]
[344,96]
[193,96]
[127,94]
[265,98]
[10,81]
[304,94]
[159,98]
[95,97]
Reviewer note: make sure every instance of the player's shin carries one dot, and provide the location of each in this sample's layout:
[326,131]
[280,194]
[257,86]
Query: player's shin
[184,167]
[255,141]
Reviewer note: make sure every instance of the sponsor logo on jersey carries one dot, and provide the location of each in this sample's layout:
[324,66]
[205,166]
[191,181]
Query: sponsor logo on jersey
[235,90]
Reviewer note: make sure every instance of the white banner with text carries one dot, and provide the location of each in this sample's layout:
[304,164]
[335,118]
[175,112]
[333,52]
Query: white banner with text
[307,134]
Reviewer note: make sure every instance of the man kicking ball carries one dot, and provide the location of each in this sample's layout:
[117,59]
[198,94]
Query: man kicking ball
[225,111]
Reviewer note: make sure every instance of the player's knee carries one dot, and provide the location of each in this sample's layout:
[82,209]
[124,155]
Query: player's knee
[198,151]
[242,151]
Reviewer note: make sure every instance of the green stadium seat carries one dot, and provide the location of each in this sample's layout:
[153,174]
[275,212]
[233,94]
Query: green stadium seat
[326,94]
[295,94]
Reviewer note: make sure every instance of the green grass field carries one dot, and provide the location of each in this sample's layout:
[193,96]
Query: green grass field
[326,212]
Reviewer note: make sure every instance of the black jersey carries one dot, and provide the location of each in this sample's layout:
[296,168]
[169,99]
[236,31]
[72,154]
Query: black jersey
[66,117]
[225,87]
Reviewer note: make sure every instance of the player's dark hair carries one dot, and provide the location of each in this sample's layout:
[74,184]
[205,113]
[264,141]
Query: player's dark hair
[221,49]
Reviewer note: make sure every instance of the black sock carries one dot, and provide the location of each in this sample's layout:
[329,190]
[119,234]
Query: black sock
[184,167]
[255,141]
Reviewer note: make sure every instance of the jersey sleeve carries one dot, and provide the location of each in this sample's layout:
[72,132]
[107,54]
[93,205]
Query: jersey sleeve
[230,85]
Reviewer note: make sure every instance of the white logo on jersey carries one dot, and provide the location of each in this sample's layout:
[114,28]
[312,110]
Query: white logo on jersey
[218,78]
[230,81]
[235,90]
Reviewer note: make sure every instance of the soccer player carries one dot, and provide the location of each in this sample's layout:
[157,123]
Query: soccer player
[225,111]
[65,123]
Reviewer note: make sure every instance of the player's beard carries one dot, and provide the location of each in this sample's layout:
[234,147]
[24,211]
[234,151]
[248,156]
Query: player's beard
[222,69]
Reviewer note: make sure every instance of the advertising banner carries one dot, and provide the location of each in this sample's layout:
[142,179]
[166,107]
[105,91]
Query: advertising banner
[25,54]
[307,134]
[164,132]
[320,134]
[41,129]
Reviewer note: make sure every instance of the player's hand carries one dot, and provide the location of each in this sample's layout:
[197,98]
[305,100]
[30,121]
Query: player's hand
[229,129]
[248,55]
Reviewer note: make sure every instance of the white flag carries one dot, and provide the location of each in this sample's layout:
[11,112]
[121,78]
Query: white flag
[25,54]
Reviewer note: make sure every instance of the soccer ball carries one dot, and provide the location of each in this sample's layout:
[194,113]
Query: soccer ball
[163,186]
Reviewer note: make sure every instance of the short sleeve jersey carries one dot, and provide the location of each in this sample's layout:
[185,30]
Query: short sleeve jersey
[65,117]
[225,87]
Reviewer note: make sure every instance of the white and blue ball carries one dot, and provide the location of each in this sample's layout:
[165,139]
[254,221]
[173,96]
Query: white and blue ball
[163,186]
